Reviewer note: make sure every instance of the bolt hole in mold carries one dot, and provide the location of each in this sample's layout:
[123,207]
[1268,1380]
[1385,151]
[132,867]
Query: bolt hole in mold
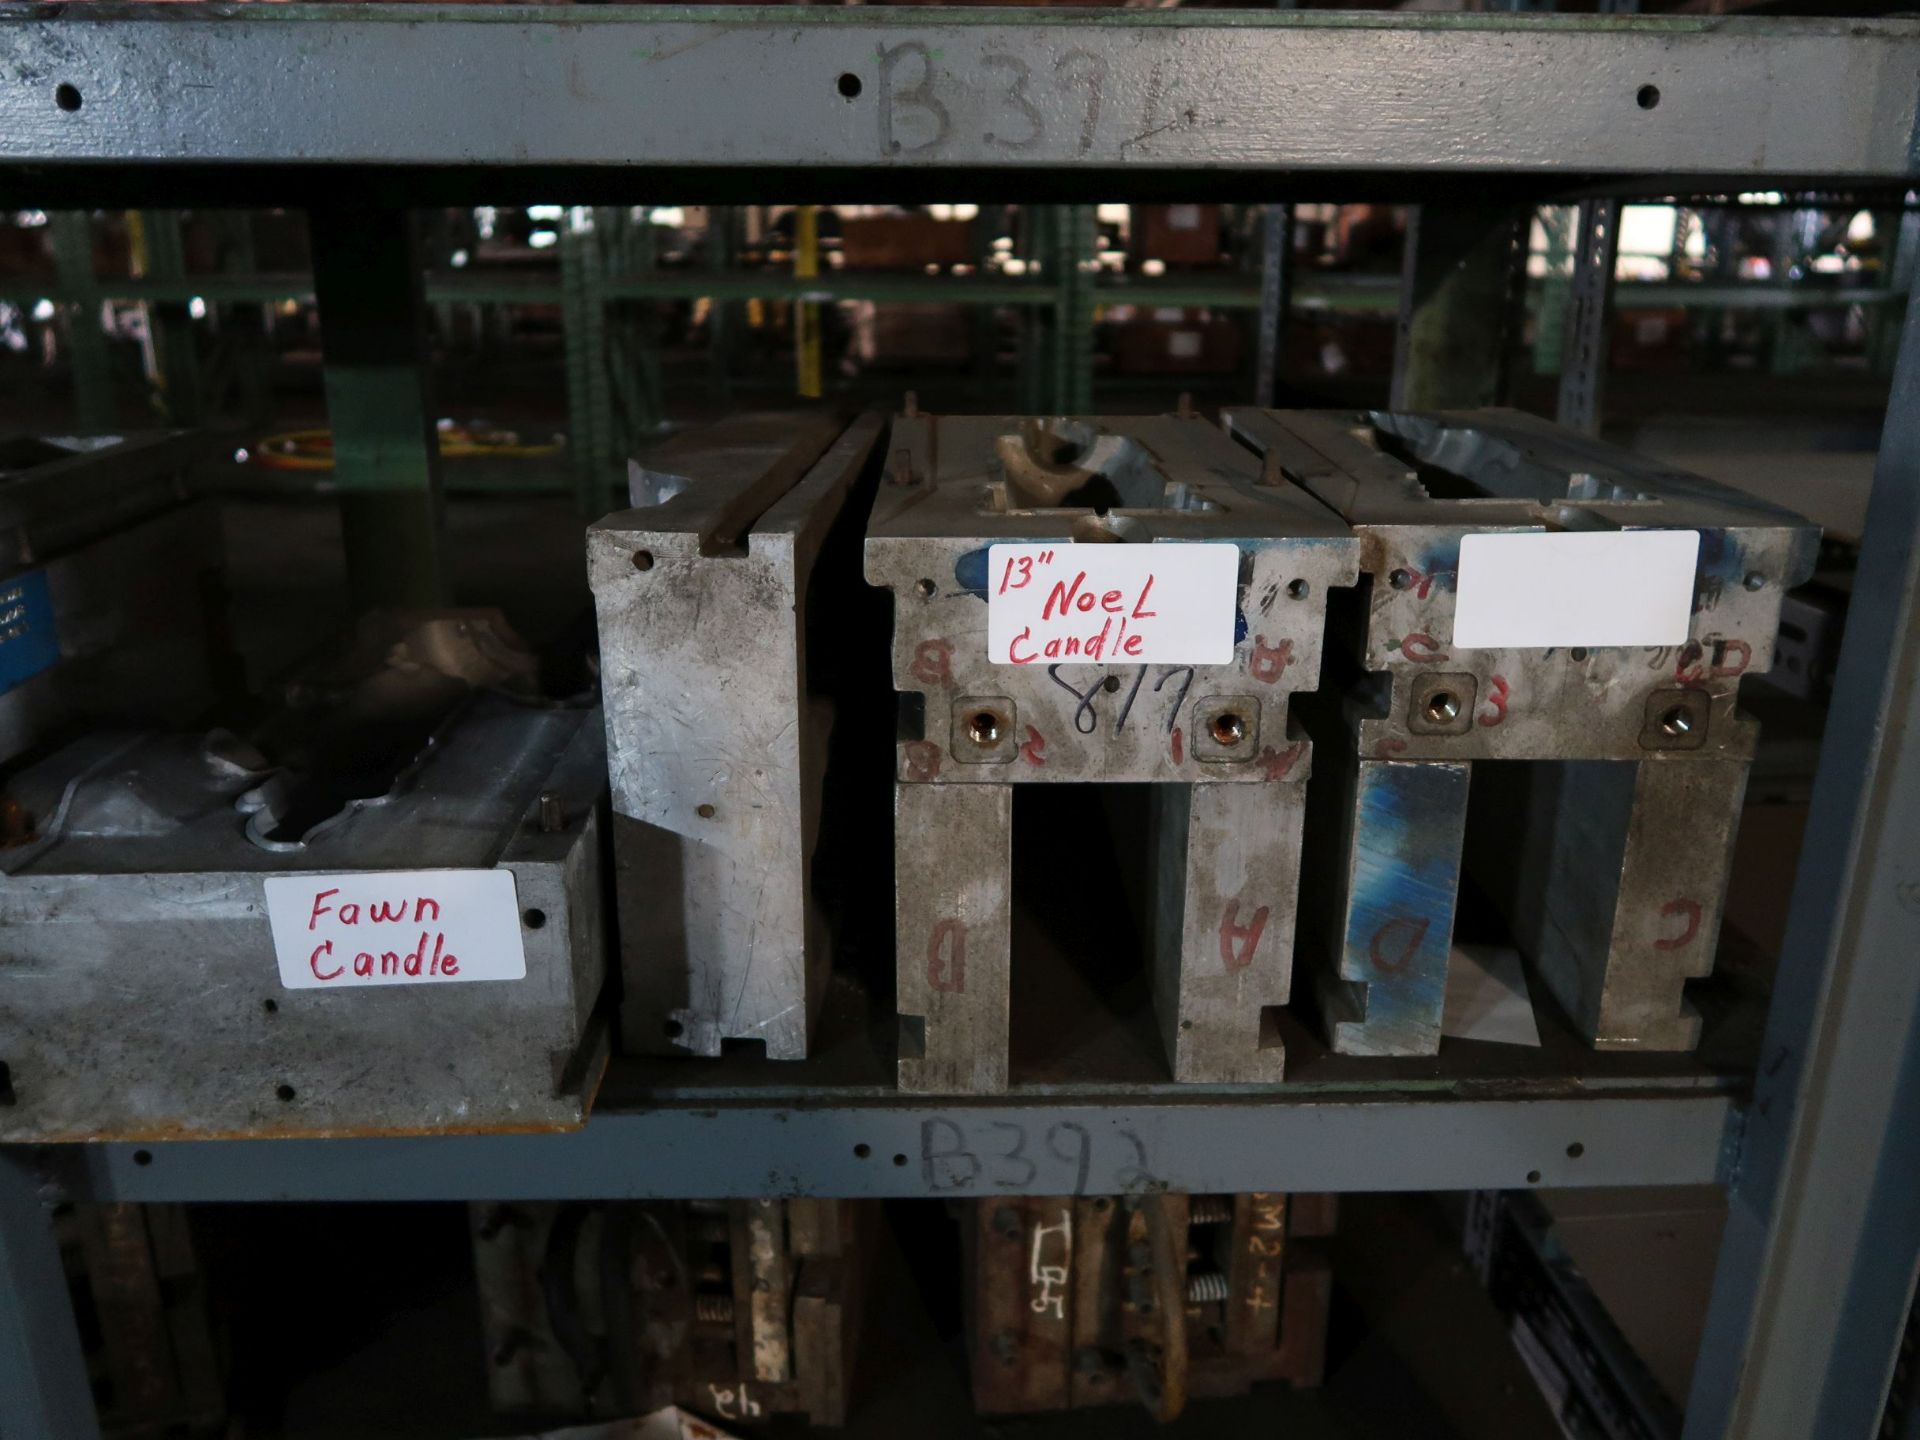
[1229,728]
[67,97]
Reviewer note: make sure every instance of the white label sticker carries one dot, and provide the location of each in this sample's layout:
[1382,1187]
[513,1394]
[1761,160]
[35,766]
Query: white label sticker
[1616,587]
[395,927]
[1112,604]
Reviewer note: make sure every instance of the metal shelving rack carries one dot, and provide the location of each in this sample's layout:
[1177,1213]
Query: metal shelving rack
[336,109]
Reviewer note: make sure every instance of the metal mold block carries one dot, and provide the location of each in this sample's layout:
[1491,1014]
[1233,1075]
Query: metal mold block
[109,584]
[1216,740]
[715,746]
[140,996]
[1152,1299]
[1617,889]
[738,1309]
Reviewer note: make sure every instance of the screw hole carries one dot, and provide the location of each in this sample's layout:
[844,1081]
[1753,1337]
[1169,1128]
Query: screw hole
[862,1150]
[899,1159]
[1677,722]
[285,1092]
[924,589]
[643,559]
[67,97]
[1576,1150]
[671,1029]
[1754,580]
[983,727]
[1111,684]
[1647,97]
[272,1007]
[705,812]
[848,85]
[1533,1177]
[533,919]
[1298,589]
[1401,579]
[1442,707]
[1576,654]
[1186,1024]
[143,1157]
[1228,728]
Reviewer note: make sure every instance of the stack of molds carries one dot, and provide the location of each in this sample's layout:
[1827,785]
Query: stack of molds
[1082,600]
[737,1309]
[110,590]
[379,912]
[716,740]
[1533,595]
[1076,1302]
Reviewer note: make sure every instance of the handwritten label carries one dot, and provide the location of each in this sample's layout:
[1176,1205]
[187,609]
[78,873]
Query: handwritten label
[962,1153]
[1049,1282]
[1538,590]
[1102,604]
[395,927]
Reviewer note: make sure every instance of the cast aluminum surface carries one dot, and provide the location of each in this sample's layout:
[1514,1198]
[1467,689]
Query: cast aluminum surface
[139,992]
[103,552]
[1227,825]
[1621,880]
[613,86]
[715,746]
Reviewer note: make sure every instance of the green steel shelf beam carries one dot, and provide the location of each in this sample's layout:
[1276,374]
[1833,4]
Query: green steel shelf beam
[1358,293]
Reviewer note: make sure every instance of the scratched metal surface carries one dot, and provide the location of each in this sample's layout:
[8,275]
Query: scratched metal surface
[927,541]
[1389,989]
[716,740]
[1226,876]
[1617,885]
[140,996]
[616,86]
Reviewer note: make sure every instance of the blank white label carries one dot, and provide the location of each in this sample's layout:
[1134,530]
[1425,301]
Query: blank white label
[395,927]
[1616,587]
[1112,604]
